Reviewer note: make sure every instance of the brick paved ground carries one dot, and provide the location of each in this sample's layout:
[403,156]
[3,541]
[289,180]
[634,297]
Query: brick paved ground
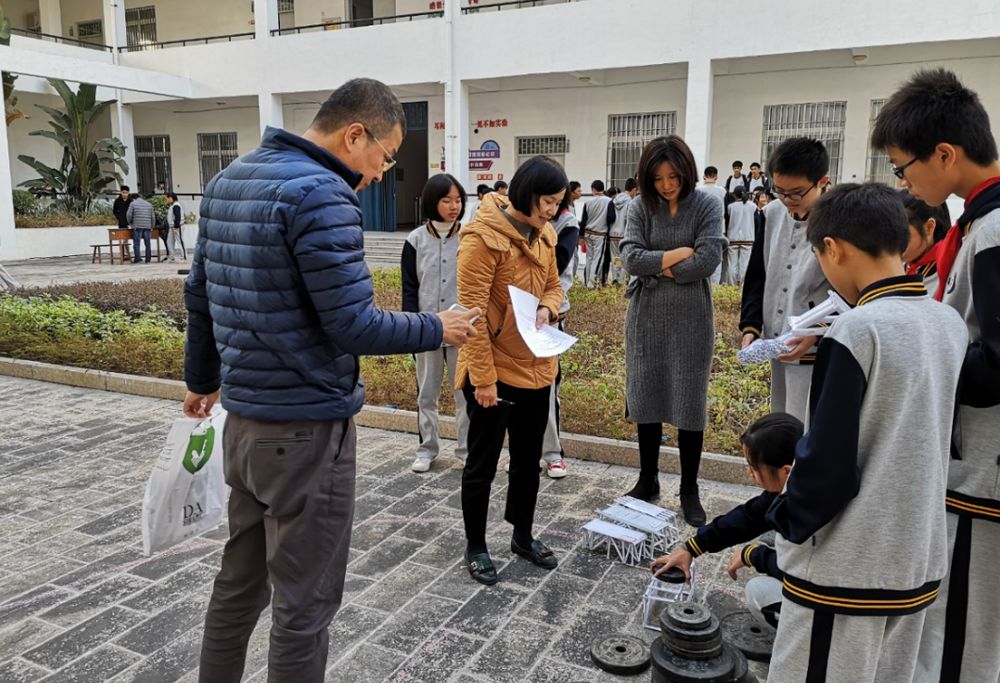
[79,602]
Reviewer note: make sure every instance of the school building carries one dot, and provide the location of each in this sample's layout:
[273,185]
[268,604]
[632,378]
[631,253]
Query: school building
[484,84]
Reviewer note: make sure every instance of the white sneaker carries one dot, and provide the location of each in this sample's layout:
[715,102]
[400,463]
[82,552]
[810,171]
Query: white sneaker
[506,465]
[556,470]
[421,464]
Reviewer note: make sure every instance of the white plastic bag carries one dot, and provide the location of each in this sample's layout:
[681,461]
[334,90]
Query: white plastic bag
[186,493]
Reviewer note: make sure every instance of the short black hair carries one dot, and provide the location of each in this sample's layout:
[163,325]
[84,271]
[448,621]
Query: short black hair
[365,101]
[597,185]
[172,196]
[739,192]
[800,156]
[124,188]
[483,189]
[574,186]
[674,151]
[499,184]
[536,177]
[754,165]
[931,108]
[771,440]
[919,212]
[630,184]
[612,191]
[437,187]
[566,201]
[711,172]
[869,216]
[737,164]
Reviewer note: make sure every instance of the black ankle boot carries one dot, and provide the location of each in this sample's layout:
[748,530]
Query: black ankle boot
[694,513]
[647,488]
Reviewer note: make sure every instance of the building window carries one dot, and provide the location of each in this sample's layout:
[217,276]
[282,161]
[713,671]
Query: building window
[215,152]
[152,159]
[823,121]
[554,146]
[90,31]
[627,135]
[879,168]
[286,13]
[140,27]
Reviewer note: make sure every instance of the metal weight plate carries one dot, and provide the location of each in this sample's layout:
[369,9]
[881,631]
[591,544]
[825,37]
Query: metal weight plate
[745,632]
[741,670]
[672,575]
[700,635]
[688,614]
[620,654]
[671,668]
[693,650]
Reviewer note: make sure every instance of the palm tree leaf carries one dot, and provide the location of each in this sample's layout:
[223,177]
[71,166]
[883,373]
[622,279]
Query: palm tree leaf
[61,140]
[67,95]
[86,95]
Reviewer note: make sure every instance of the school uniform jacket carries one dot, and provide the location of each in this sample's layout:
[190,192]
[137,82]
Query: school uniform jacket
[861,522]
[598,216]
[429,265]
[742,524]
[783,277]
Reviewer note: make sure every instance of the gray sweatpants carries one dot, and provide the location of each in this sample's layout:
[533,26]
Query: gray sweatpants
[551,445]
[176,238]
[739,259]
[290,515]
[822,647]
[615,272]
[430,372]
[790,383]
[961,642]
[595,257]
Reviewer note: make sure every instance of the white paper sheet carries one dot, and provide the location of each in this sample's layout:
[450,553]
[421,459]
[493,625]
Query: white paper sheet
[544,343]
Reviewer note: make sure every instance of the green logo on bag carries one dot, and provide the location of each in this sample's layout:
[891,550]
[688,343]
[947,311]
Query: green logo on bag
[199,448]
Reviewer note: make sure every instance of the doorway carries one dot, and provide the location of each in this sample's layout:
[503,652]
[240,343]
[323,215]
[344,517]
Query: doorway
[411,169]
[361,12]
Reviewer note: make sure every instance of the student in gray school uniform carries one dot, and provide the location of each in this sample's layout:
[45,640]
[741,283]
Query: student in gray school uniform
[430,257]
[937,135]
[862,535]
[783,277]
[595,224]
[617,231]
[710,186]
[740,235]
[928,226]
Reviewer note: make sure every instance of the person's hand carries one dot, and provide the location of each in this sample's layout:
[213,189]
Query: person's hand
[667,272]
[199,405]
[801,346]
[458,326]
[486,395]
[747,340]
[735,563]
[542,317]
[679,558]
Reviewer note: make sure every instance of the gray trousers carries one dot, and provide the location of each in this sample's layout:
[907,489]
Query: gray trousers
[961,642]
[290,515]
[790,383]
[836,648]
[595,257]
[739,259]
[430,373]
[616,273]
[551,445]
[173,240]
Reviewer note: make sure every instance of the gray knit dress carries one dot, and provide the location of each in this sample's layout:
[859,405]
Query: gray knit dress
[669,327]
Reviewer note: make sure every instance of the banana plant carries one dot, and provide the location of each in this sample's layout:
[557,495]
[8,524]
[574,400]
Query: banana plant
[10,102]
[88,165]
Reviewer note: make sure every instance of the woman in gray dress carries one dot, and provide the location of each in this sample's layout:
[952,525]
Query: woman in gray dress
[673,243]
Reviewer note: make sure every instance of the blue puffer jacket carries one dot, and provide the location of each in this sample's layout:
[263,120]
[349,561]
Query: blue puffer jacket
[279,297]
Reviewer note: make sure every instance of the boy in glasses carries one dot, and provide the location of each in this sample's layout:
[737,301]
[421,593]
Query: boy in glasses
[937,135]
[783,277]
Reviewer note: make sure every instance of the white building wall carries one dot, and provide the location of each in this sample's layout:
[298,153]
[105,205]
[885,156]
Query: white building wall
[75,11]
[17,12]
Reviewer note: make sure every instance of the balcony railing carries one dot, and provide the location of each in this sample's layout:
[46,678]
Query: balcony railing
[515,4]
[59,39]
[354,23]
[187,41]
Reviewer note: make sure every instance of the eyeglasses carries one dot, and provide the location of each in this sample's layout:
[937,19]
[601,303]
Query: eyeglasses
[900,171]
[793,196]
[389,160]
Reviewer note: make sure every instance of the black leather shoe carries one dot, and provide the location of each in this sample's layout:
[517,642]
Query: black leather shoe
[645,489]
[694,513]
[481,568]
[539,554]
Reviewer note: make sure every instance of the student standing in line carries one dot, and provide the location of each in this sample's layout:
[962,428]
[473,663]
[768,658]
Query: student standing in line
[428,267]
[757,180]
[673,242]
[740,235]
[862,532]
[938,138]
[598,216]
[783,277]
[617,232]
[175,226]
[736,179]
[711,186]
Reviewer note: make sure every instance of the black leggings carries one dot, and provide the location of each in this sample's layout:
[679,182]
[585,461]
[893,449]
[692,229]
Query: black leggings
[689,443]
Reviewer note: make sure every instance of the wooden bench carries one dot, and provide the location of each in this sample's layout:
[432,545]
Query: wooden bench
[97,255]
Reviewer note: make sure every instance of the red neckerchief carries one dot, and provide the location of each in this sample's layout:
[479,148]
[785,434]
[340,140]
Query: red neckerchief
[949,246]
[930,256]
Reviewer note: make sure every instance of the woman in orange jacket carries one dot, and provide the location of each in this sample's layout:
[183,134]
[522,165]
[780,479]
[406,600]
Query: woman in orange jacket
[508,242]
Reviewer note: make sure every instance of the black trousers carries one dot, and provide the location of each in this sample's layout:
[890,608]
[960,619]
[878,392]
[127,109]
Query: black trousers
[524,423]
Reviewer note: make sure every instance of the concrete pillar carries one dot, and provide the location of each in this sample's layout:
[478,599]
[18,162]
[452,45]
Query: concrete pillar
[698,111]
[50,17]
[114,24]
[122,128]
[456,107]
[8,241]
[265,18]
[271,112]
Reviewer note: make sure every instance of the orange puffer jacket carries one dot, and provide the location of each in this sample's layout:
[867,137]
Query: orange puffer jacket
[492,254]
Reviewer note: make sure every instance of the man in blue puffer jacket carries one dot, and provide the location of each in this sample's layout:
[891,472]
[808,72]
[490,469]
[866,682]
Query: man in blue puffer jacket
[280,306]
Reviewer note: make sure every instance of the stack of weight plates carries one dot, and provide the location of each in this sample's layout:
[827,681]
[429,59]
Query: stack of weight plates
[690,649]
